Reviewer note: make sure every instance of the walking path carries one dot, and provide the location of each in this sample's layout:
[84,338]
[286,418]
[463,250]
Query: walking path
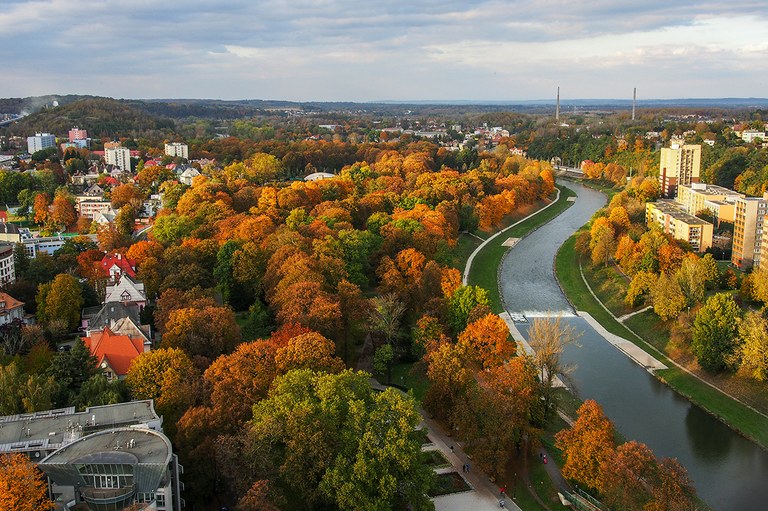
[627,316]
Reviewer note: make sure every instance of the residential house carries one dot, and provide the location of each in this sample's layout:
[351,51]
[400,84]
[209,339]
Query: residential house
[115,352]
[188,175]
[105,217]
[9,232]
[10,309]
[116,264]
[106,315]
[127,291]
[682,226]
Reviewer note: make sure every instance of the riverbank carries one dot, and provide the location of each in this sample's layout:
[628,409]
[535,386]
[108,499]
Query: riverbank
[742,418]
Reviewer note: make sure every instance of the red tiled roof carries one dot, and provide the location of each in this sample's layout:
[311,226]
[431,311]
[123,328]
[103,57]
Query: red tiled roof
[10,302]
[119,350]
[126,265]
[3,216]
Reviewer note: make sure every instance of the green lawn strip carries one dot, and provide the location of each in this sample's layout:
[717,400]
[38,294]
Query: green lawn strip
[465,245]
[485,266]
[651,328]
[736,415]
[422,435]
[610,286]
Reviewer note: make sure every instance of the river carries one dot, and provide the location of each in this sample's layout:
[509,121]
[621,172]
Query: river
[730,473]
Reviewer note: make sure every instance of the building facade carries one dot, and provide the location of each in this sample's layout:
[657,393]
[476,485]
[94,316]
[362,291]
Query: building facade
[118,156]
[10,309]
[748,227]
[679,224]
[7,265]
[679,165]
[40,141]
[77,134]
[177,149]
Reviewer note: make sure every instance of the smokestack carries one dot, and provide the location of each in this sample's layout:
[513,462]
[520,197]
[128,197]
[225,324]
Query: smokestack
[634,100]
[557,110]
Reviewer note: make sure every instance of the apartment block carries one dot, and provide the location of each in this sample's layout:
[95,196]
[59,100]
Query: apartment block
[682,226]
[176,149]
[679,165]
[694,197]
[7,265]
[748,231]
[77,134]
[118,156]
[40,141]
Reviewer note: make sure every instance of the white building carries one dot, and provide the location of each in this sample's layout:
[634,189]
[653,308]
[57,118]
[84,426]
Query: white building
[177,149]
[119,156]
[10,309]
[39,142]
[7,266]
[749,136]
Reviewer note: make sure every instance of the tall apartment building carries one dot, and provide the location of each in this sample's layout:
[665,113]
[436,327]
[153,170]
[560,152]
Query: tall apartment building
[40,141]
[679,165]
[748,230]
[682,226]
[176,149]
[118,156]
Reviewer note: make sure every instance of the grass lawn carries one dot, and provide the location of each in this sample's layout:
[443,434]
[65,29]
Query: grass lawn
[445,484]
[435,459]
[411,376]
[485,266]
[422,435]
[610,286]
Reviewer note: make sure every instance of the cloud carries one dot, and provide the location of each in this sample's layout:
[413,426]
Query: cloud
[351,50]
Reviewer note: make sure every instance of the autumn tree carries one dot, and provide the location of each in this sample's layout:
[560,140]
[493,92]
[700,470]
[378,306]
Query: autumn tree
[603,243]
[308,351]
[126,195]
[626,477]
[715,332]
[22,485]
[41,205]
[487,341]
[641,286]
[207,332]
[668,298]
[463,302]
[753,350]
[586,445]
[63,213]
[692,279]
[548,338]
[60,299]
[167,376]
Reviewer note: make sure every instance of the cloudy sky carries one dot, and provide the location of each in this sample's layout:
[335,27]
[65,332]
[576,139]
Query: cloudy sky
[336,50]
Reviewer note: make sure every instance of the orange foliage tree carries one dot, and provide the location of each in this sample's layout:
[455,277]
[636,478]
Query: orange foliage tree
[22,487]
[586,445]
[487,341]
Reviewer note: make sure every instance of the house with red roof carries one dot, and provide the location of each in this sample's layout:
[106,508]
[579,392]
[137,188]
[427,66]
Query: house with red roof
[115,264]
[114,352]
[10,309]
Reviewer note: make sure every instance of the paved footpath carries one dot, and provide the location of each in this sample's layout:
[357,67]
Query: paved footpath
[486,494]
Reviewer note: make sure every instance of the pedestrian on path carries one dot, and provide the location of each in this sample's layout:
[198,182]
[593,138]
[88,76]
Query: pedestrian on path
[502,503]
[451,449]
[468,467]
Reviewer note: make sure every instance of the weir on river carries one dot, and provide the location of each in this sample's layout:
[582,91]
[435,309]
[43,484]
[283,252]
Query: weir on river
[730,472]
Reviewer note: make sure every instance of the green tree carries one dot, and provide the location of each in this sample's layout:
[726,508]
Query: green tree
[71,369]
[463,302]
[715,332]
[692,278]
[333,442]
[61,299]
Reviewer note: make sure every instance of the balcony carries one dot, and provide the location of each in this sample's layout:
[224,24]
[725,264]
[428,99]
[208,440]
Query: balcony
[102,496]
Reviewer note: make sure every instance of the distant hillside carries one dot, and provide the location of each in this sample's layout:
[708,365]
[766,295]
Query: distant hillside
[102,117]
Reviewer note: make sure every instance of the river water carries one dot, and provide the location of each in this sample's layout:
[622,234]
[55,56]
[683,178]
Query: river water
[730,473]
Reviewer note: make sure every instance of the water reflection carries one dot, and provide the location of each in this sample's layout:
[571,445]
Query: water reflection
[708,441]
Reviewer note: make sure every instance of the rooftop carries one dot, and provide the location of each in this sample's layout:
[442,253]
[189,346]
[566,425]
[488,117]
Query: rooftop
[128,446]
[672,209]
[53,429]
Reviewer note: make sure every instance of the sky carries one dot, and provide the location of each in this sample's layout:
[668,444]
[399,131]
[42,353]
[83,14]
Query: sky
[397,50]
